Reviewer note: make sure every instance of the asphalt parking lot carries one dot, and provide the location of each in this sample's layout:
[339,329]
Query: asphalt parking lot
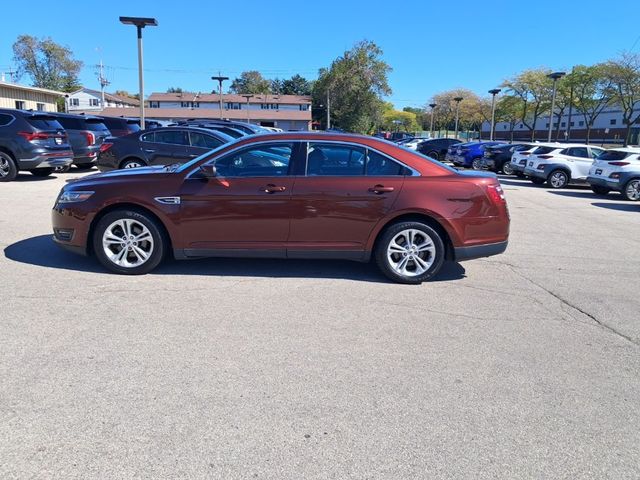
[524,365]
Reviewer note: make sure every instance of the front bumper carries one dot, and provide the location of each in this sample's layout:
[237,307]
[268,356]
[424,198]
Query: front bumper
[479,251]
[70,228]
[613,184]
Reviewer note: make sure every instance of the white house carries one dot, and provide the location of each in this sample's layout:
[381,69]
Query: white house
[87,100]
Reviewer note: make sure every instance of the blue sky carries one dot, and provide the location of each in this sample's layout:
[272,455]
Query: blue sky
[432,46]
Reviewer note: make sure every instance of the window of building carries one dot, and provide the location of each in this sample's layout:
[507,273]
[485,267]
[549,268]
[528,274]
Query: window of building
[74,102]
[269,106]
[190,104]
[563,124]
[336,160]
[40,107]
[546,125]
[572,124]
[613,121]
[581,123]
[504,127]
[521,126]
[94,102]
[154,104]
[232,106]
[20,104]
[304,107]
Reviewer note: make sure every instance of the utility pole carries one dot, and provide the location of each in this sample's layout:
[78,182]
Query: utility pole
[220,79]
[248,96]
[103,82]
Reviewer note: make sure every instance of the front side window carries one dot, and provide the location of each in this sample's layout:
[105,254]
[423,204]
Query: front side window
[335,160]
[174,137]
[578,152]
[203,141]
[271,160]
[148,137]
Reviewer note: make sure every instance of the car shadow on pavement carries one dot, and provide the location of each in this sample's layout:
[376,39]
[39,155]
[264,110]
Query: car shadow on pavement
[584,193]
[43,252]
[623,207]
[27,177]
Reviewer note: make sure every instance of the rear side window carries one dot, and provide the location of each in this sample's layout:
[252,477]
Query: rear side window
[612,155]
[71,123]
[96,126]
[203,141]
[335,160]
[381,165]
[5,119]
[44,123]
[174,137]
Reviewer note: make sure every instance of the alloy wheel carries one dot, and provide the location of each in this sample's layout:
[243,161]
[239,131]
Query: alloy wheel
[411,252]
[507,169]
[127,243]
[558,179]
[132,164]
[476,164]
[4,167]
[632,190]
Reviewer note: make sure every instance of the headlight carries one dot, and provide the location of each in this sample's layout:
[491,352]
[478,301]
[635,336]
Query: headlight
[74,196]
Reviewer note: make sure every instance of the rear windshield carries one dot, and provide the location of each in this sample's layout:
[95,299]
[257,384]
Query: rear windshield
[133,126]
[610,155]
[543,150]
[71,123]
[96,125]
[42,122]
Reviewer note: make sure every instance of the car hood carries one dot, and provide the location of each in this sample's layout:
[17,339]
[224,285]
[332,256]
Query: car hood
[126,172]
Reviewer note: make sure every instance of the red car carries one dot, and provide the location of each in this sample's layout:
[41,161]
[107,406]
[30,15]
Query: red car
[290,195]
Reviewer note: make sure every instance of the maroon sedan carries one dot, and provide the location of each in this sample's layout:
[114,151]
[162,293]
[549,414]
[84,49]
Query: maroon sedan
[291,195]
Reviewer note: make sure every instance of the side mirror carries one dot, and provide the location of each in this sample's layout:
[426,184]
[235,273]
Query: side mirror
[208,170]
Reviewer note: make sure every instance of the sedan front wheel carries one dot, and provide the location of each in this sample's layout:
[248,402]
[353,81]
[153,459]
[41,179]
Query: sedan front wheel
[410,252]
[128,242]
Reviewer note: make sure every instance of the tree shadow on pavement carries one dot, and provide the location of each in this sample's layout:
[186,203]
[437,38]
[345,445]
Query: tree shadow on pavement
[42,251]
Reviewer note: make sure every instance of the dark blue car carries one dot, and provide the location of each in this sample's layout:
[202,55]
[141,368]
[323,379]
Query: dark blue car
[469,154]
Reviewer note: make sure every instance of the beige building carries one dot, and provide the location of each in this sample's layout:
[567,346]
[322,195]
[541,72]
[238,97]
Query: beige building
[13,95]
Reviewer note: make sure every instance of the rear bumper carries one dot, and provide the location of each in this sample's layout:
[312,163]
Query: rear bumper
[531,172]
[479,251]
[603,182]
[46,160]
[517,168]
[86,159]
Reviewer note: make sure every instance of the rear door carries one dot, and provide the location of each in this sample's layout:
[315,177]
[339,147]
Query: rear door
[164,147]
[581,161]
[343,192]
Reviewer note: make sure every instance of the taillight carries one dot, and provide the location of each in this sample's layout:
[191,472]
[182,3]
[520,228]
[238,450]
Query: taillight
[105,146]
[91,138]
[496,194]
[619,164]
[31,136]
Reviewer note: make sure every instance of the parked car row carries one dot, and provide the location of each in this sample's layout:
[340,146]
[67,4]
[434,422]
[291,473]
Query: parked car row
[557,164]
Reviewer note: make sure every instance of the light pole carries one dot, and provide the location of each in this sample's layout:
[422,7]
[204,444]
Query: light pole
[571,81]
[457,100]
[140,23]
[328,111]
[248,96]
[433,106]
[220,79]
[554,76]
[493,92]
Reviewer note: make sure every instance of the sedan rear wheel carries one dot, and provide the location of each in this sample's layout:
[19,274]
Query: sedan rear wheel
[133,163]
[410,252]
[128,242]
[632,190]
[476,164]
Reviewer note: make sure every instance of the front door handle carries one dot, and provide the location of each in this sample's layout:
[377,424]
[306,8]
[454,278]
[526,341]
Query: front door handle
[149,150]
[271,188]
[379,189]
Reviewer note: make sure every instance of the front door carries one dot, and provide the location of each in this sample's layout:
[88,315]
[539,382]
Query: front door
[246,206]
[345,191]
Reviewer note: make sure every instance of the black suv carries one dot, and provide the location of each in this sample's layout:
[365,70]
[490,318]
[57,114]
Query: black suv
[120,126]
[159,146]
[436,147]
[32,141]
[86,136]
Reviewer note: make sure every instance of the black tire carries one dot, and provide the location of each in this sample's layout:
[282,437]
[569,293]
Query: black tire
[433,154]
[435,254]
[157,246]
[600,190]
[475,164]
[84,166]
[558,179]
[537,181]
[130,162]
[42,172]
[631,190]
[507,169]
[8,168]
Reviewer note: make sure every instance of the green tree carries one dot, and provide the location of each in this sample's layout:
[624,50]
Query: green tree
[124,93]
[624,77]
[249,82]
[509,109]
[399,120]
[174,90]
[296,85]
[469,110]
[422,118]
[48,64]
[354,84]
[534,88]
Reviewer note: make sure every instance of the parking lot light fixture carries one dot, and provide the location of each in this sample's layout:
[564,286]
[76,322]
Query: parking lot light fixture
[220,79]
[433,106]
[457,100]
[555,76]
[140,23]
[248,96]
[493,92]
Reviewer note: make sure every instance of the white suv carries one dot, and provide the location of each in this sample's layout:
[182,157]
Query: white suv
[561,163]
[617,169]
[520,157]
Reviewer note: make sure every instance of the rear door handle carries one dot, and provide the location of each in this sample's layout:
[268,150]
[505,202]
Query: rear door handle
[378,189]
[271,188]
[148,150]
